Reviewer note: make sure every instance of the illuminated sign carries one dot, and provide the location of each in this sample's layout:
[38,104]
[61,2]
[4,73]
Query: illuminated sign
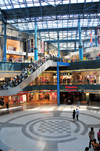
[71,87]
[71,90]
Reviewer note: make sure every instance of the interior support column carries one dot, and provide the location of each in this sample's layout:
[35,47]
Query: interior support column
[5,43]
[75,45]
[35,49]
[80,41]
[58,44]
[58,86]
[96,38]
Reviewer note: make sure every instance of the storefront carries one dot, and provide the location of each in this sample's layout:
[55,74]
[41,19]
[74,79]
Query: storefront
[15,51]
[43,97]
[65,78]
[72,97]
[45,79]
[17,99]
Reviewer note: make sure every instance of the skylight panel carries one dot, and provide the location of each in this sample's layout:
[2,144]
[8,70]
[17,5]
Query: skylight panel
[6,2]
[95,0]
[73,1]
[88,0]
[4,7]
[30,5]
[80,1]
[16,6]
[1,2]
[44,4]
[95,24]
[20,0]
[9,7]
[65,1]
[22,5]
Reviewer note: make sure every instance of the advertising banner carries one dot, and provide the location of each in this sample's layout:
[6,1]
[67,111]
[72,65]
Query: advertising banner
[98,33]
[42,47]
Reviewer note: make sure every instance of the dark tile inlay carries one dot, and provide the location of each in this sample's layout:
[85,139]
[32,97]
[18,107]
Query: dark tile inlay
[51,147]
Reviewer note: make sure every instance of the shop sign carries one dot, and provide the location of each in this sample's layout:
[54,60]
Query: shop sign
[72,87]
[65,74]
[70,90]
[16,52]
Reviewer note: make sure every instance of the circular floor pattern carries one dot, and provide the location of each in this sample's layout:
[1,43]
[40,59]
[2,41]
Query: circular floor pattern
[53,129]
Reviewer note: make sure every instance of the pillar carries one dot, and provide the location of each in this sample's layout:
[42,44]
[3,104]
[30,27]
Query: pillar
[5,41]
[96,38]
[58,86]
[35,49]
[80,41]
[58,44]
[75,45]
[26,57]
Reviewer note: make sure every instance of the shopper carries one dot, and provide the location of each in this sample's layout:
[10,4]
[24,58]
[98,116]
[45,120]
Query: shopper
[91,136]
[31,60]
[88,102]
[74,114]
[7,105]
[77,113]
[95,145]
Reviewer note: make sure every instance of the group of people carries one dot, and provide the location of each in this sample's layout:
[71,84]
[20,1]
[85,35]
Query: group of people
[26,72]
[93,142]
[75,113]
[20,77]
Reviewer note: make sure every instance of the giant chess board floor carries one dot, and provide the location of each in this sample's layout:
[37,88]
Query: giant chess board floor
[48,128]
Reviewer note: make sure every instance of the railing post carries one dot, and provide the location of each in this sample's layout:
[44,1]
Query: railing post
[58,86]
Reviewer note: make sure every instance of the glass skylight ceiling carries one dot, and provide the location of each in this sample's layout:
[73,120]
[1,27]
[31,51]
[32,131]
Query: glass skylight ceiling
[6,4]
[51,22]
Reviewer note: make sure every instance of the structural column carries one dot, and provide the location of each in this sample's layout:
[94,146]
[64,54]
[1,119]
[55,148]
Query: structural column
[80,41]
[96,38]
[58,44]
[58,86]
[75,45]
[4,42]
[35,49]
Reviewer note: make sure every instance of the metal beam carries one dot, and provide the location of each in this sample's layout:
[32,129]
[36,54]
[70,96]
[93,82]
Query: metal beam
[50,11]
[67,40]
[61,29]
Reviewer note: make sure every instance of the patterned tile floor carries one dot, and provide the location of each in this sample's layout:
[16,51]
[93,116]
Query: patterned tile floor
[47,128]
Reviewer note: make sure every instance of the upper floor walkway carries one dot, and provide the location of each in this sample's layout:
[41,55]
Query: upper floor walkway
[11,66]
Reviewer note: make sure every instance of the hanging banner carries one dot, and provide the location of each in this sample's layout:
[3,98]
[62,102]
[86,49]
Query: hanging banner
[98,33]
[91,44]
[28,45]
[39,50]
[45,46]
[42,47]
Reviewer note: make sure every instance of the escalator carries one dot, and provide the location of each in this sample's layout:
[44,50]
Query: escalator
[28,80]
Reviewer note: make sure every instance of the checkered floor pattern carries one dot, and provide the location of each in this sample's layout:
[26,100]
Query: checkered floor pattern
[55,127]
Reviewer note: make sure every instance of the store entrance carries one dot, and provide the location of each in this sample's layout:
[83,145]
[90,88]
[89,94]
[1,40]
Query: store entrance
[70,97]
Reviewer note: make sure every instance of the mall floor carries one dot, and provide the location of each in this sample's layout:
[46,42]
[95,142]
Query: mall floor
[47,128]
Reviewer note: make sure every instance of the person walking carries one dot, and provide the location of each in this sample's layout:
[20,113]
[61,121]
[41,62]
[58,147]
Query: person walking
[88,102]
[74,114]
[7,105]
[77,114]
[91,136]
